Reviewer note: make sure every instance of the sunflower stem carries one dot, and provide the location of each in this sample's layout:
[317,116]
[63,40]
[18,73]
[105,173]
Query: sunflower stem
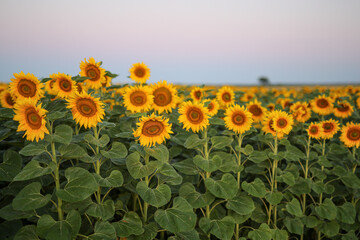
[146,205]
[322,169]
[237,230]
[98,164]
[305,176]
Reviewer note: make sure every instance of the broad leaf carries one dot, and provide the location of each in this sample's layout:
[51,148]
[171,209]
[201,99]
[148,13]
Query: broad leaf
[225,188]
[32,170]
[33,149]
[294,208]
[156,197]
[103,231]
[255,188]
[117,151]
[242,205]
[196,199]
[114,180]
[10,166]
[104,210]
[219,142]
[30,198]
[63,134]
[137,169]
[159,152]
[130,224]
[326,210]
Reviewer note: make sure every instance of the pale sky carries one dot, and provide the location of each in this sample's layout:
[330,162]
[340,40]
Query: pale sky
[183,41]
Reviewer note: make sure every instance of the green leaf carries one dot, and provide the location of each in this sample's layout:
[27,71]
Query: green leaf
[293,153]
[209,165]
[302,186]
[27,232]
[351,180]
[346,213]
[274,197]
[294,208]
[186,167]
[63,134]
[191,235]
[258,156]
[287,178]
[81,184]
[278,234]
[32,170]
[73,151]
[222,229]
[137,169]
[326,210]
[159,152]
[330,229]
[33,149]
[168,174]
[247,150]
[225,188]
[193,141]
[179,218]
[10,166]
[225,162]
[310,221]
[114,180]
[263,233]
[104,210]
[103,231]
[50,229]
[219,142]
[196,199]
[150,232]
[6,113]
[117,151]
[130,224]
[101,142]
[255,188]
[242,205]
[55,115]
[156,197]
[9,213]
[30,198]
[294,225]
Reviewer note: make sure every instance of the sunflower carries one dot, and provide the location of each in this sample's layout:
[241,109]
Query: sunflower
[92,70]
[7,100]
[107,81]
[267,124]
[80,88]
[343,110]
[31,118]
[197,94]
[225,96]
[271,106]
[139,72]
[194,116]
[212,106]
[63,86]
[284,102]
[282,122]
[257,111]
[247,97]
[322,105]
[152,129]
[26,86]
[315,130]
[300,111]
[330,127]
[350,135]
[165,97]
[87,111]
[138,98]
[49,87]
[238,119]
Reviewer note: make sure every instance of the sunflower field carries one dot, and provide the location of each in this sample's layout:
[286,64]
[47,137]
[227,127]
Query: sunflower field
[84,159]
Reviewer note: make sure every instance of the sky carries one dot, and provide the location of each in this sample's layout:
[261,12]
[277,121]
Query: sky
[186,41]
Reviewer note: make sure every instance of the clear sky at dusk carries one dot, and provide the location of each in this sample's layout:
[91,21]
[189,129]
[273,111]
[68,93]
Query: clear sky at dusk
[189,42]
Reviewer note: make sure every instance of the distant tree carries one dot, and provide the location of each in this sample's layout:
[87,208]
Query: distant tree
[264,81]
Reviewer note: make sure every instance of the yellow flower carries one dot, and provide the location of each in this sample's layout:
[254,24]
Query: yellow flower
[31,118]
[238,119]
[247,97]
[107,81]
[315,130]
[225,96]
[257,111]
[330,127]
[139,72]
[49,87]
[322,105]
[92,70]
[87,111]
[213,107]
[197,94]
[63,86]
[300,111]
[344,110]
[138,98]
[282,122]
[26,86]
[350,135]
[194,116]
[152,129]
[80,88]
[165,97]
[268,122]
[7,100]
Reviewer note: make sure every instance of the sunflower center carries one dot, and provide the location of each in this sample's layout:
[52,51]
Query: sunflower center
[328,127]
[65,85]
[210,106]
[9,100]
[152,128]
[162,96]
[238,119]
[314,130]
[33,119]
[198,94]
[353,134]
[322,103]
[343,108]
[93,73]
[26,88]
[281,123]
[138,98]
[139,72]
[78,87]
[86,107]
[226,97]
[195,115]
[255,110]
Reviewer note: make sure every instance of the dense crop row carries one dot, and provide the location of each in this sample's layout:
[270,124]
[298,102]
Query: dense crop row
[84,159]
